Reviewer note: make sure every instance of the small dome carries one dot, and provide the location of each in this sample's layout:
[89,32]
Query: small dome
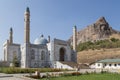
[40,40]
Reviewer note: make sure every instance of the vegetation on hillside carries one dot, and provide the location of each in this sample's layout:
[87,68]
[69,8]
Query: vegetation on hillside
[111,43]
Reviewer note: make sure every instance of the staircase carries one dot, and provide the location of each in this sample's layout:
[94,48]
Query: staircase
[66,65]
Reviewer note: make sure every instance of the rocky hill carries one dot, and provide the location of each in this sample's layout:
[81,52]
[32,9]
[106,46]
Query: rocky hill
[90,56]
[99,30]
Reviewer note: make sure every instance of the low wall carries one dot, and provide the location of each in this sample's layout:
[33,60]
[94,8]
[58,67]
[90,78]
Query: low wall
[99,70]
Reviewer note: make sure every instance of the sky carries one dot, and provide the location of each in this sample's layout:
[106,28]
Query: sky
[54,17]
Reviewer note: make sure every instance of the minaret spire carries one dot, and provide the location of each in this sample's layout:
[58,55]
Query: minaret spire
[11,36]
[74,38]
[27,9]
[27,26]
[48,38]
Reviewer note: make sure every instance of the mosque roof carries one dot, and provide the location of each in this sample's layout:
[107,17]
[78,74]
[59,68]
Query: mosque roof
[41,40]
[109,61]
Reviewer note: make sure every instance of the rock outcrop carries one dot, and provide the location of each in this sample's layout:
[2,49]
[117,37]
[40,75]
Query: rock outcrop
[99,30]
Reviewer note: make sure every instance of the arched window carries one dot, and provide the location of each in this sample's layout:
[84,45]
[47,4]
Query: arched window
[32,54]
[42,55]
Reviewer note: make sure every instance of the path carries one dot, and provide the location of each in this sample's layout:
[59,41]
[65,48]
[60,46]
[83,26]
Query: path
[21,76]
[13,77]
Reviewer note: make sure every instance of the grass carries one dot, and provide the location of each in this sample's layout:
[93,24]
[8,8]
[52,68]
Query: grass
[104,76]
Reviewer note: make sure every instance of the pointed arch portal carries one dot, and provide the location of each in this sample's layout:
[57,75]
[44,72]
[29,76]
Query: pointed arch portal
[62,54]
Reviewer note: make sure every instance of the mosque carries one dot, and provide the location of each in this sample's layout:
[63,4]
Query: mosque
[43,52]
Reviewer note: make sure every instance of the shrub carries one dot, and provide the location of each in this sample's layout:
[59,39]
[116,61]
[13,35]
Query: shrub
[66,74]
[87,72]
[71,74]
[76,73]
[102,72]
[34,76]
[12,70]
[114,40]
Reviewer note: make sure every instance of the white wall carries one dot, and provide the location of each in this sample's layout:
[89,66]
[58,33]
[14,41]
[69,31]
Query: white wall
[113,66]
[107,65]
[11,50]
[98,65]
[62,44]
[59,65]
[92,66]
[40,63]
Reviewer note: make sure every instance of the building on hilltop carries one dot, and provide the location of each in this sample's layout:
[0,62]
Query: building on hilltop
[42,53]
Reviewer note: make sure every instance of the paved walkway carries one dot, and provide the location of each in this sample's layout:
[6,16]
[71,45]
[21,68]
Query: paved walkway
[21,76]
[11,78]
[14,77]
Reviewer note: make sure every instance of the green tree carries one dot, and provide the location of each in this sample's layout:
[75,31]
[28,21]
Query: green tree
[15,61]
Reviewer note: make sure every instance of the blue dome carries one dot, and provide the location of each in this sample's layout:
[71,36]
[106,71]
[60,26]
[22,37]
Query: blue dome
[41,40]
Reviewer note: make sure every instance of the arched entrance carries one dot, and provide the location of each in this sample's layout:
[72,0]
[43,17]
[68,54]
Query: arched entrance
[62,54]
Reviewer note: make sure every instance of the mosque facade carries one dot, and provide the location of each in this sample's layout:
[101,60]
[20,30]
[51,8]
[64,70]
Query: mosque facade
[42,53]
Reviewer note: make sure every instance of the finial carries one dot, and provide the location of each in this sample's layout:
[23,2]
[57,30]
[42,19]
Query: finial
[49,38]
[42,35]
[27,9]
[11,29]
[74,27]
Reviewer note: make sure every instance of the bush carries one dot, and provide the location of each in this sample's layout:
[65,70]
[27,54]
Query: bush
[71,74]
[114,40]
[76,73]
[66,74]
[34,76]
[12,70]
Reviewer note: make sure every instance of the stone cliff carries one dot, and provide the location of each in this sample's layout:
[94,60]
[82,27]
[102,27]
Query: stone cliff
[99,30]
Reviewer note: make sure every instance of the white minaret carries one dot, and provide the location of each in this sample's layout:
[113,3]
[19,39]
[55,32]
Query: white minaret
[25,59]
[27,26]
[11,36]
[49,39]
[74,38]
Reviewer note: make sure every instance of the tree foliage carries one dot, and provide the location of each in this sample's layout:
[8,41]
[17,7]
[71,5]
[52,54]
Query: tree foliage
[15,61]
